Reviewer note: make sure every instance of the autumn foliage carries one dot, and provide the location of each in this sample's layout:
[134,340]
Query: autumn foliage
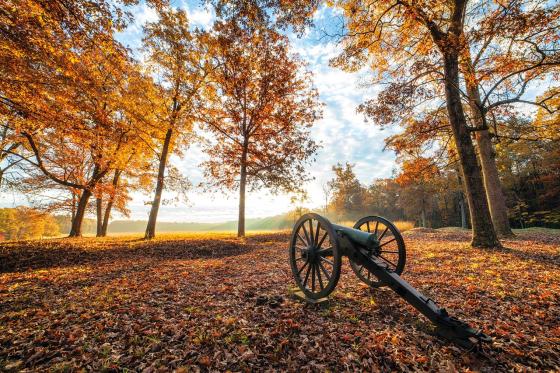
[261,107]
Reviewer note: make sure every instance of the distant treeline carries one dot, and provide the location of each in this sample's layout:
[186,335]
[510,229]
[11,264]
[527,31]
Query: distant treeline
[23,223]
[139,226]
[435,198]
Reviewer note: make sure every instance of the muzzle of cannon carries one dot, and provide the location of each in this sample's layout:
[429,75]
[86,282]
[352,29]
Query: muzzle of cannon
[377,254]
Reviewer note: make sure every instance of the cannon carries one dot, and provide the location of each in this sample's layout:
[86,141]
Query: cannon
[377,255]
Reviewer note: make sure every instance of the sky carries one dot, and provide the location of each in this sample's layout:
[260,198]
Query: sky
[342,133]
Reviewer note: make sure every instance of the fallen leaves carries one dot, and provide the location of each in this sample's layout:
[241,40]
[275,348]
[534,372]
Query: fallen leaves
[208,303]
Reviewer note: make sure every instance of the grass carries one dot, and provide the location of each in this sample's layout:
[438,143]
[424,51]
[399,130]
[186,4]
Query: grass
[537,230]
[403,226]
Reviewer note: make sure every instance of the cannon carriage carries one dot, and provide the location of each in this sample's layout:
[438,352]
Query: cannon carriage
[377,254]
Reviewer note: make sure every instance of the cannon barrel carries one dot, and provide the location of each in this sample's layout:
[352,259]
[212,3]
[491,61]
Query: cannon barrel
[358,237]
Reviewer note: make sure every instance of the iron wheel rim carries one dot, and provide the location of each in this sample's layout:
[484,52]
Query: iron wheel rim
[315,256]
[392,248]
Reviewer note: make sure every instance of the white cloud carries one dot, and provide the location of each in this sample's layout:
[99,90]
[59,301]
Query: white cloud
[203,18]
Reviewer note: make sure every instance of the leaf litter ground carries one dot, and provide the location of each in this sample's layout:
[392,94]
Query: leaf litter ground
[216,303]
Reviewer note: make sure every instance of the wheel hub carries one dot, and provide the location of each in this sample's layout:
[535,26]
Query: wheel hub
[311,254]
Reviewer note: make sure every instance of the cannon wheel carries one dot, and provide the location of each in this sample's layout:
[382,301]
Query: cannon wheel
[391,248]
[315,256]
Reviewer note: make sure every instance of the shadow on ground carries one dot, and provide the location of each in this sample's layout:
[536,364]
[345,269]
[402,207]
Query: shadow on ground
[61,253]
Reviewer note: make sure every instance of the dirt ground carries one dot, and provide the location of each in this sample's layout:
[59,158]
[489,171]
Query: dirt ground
[213,302]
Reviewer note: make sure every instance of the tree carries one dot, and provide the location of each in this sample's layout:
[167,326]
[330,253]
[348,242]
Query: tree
[23,223]
[81,154]
[326,187]
[419,189]
[509,47]
[529,164]
[384,199]
[348,195]
[62,90]
[435,28]
[134,172]
[260,107]
[177,58]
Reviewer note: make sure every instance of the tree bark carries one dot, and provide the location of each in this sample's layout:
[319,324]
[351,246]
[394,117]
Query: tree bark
[242,184]
[487,155]
[73,208]
[109,207]
[463,212]
[151,227]
[76,229]
[493,185]
[99,213]
[483,234]
[105,224]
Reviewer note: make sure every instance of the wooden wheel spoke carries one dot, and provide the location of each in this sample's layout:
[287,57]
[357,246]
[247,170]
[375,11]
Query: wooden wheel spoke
[326,260]
[326,250]
[319,276]
[302,268]
[313,278]
[376,225]
[383,234]
[301,249]
[387,260]
[307,275]
[389,252]
[312,242]
[322,239]
[317,234]
[302,240]
[308,243]
[385,243]
[327,274]
[367,224]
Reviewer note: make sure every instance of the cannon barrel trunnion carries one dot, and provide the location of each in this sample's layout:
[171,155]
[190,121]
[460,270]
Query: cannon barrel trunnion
[377,256]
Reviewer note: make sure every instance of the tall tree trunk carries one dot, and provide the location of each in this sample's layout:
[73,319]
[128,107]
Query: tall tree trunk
[242,184]
[463,212]
[109,207]
[493,185]
[483,234]
[99,213]
[151,227]
[106,216]
[73,208]
[487,155]
[76,229]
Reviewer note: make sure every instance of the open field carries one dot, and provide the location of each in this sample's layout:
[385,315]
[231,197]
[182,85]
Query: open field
[192,301]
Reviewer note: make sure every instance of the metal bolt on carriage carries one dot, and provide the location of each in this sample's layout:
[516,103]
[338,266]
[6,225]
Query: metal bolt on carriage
[377,254]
